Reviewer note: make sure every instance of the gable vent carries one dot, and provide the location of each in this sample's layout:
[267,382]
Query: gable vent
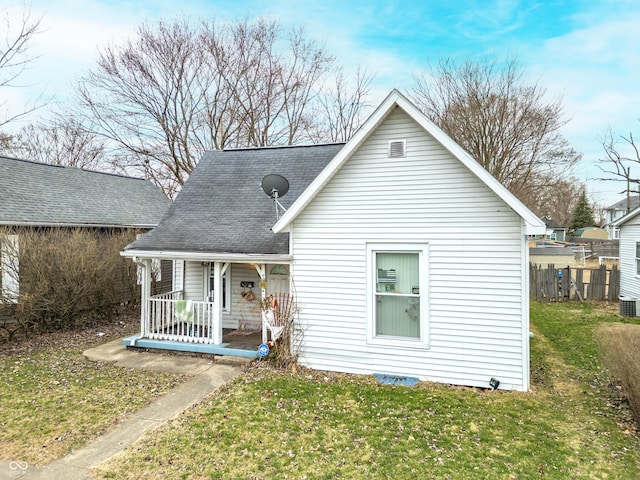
[397,148]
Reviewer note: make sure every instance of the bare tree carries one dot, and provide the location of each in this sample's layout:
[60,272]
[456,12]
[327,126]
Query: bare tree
[145,98]
[177,90]
[343,106]
[558,200]
[622,163]
[504,123]
[61,141]
[15,60]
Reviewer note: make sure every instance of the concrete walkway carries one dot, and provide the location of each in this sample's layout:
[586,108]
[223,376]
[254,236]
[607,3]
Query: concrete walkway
[207,376]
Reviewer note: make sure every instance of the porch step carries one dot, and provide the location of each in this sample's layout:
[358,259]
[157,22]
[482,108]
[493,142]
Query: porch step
[219,349]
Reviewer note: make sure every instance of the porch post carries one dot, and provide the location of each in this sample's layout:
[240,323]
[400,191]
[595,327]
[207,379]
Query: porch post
[261,268]
[217,303]
[145,294]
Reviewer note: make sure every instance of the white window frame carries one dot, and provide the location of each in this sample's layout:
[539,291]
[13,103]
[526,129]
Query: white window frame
[637,257]
[9,268]
[422,249]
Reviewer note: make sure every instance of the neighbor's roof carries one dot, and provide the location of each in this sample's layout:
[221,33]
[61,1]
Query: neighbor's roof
[622,204]
[221,209]
[39,194]
[551,251]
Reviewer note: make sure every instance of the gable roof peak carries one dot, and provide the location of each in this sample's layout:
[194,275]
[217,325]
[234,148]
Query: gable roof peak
[396,99]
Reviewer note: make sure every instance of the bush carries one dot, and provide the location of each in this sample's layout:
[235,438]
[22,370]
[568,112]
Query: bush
[71,277]
[620,347]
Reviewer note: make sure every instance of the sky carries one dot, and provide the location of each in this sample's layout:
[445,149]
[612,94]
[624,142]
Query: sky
[586,53]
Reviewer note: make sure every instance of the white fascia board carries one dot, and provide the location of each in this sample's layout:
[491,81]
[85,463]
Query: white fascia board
[207,256]
[534,225]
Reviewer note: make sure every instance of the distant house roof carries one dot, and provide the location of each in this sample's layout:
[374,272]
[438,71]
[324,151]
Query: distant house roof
[39,194]
[551,223]
[221,209]
[622,204]
[551,251]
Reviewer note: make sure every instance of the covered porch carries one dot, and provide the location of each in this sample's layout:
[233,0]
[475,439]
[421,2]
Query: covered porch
[216,306]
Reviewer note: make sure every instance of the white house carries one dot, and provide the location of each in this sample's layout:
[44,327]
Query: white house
[404,255]
[617,211]
[629,228]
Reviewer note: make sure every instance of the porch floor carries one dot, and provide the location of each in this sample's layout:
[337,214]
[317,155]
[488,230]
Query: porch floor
[234,344]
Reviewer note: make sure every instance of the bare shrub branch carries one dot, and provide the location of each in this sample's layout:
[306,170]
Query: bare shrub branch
[71,277]
[620,347]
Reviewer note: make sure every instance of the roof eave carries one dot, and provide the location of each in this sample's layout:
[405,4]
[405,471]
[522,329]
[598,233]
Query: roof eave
[208,256]
[78,225]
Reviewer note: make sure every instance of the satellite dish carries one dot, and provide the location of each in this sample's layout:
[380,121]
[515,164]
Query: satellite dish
[275,185]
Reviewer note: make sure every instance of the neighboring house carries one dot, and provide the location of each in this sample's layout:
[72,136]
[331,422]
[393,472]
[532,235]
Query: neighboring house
[629,227]
[404,256]
[41,196]
[616,211]
[555,231]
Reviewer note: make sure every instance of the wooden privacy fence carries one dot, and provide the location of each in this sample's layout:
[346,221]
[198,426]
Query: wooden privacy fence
[551,284]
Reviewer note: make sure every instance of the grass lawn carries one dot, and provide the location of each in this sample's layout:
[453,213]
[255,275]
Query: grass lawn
[270,424]
[55,400]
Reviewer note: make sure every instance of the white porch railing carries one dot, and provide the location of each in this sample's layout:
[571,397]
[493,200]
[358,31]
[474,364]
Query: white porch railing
[164,324]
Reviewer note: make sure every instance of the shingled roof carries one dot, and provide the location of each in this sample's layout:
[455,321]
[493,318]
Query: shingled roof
[222,209]
[39,194]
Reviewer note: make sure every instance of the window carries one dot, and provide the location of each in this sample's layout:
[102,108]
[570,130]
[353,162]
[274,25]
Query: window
[398,293]
[9,269]
[637,258]
[226,291]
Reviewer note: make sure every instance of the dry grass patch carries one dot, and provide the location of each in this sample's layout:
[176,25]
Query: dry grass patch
[620,345]
[54,400]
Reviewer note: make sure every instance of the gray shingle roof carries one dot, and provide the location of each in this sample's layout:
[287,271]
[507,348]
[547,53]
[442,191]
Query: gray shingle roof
[221,208]
[622,204]
[40,194]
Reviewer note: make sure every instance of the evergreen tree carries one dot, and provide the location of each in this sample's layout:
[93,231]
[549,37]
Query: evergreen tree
[583,214]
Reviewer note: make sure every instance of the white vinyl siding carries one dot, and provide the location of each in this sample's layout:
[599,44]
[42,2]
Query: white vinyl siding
[477,305]
[240,313]
[629,277]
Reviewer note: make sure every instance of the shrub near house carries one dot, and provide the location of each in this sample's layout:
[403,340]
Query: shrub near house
[67,277]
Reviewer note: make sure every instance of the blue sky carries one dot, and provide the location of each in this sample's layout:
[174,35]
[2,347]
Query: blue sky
[587,52]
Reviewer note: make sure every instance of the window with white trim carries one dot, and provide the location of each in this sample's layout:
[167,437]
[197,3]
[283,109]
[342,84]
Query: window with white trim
[637,258]
[397,292]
